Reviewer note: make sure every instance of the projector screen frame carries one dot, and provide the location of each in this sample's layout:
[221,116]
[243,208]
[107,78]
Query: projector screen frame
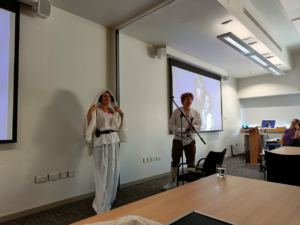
[14,6]
[199,71]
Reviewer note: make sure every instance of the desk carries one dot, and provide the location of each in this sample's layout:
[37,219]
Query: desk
[234,199]
[272,143]
[285,150]
[273,140]
[276,130]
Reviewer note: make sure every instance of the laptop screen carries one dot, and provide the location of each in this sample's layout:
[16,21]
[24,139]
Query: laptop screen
[268,124]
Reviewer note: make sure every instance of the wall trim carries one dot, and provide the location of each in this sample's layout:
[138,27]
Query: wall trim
[144,180]
[45,207]
[74,199]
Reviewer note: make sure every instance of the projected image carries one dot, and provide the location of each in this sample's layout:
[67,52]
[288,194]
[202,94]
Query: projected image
[207,96]
[270,124]
[7,42]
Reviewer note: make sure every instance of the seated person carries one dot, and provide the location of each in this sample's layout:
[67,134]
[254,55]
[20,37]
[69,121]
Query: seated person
[290,134]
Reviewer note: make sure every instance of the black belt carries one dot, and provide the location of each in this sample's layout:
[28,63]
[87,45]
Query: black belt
[98,132]
[184,136]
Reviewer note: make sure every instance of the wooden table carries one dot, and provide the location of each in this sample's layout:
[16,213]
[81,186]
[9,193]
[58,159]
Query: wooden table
[233,199]
[285,150]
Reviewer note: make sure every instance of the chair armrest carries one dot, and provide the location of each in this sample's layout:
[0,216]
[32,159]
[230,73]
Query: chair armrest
[192,165]
[200,161]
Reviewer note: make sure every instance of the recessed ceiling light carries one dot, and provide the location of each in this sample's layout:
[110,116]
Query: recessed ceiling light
[250,72]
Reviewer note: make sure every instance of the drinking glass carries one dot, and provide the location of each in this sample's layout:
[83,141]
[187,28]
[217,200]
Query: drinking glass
[221,170]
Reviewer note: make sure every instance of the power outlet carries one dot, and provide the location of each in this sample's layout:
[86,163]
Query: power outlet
[54,176]
[71,173]
[149,159]
[144,160]
[158,157]
[63,174]
[153,158]
[237,144]
[231,145]
[41,178]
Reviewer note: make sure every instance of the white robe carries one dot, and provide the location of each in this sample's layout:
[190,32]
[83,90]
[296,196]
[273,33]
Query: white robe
[105,150]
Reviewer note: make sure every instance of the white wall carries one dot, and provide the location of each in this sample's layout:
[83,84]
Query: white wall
[144,100]
[270,85]
[283,109]
[271,97]
[63,65]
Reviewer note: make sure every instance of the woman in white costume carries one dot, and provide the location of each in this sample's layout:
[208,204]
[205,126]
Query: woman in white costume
[100,134]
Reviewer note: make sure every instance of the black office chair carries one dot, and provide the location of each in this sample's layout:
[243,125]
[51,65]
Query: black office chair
[209,167]
[295,143]
[283,168]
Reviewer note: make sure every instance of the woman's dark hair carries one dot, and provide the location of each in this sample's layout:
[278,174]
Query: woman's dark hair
[198,80]
[185,95]
[210,100]
[111,97]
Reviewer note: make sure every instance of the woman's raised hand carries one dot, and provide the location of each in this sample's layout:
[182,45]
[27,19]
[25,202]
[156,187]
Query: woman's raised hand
[93,108]
[117,109]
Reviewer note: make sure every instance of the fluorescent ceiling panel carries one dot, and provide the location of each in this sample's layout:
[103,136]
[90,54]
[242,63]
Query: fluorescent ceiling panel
[231,41]
[236,43]
[258,60]
[239,45]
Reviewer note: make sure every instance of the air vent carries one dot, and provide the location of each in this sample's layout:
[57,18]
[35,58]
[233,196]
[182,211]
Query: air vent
[261,28]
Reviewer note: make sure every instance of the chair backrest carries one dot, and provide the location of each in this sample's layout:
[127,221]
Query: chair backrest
[295,143]
[211,161]
[283,168]
[255,144]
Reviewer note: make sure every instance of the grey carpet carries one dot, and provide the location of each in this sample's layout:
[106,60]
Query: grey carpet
[82,209]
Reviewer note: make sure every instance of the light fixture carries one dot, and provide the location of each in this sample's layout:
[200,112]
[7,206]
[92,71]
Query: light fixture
[243,48]
[236,43]
[275,70]
[260,60]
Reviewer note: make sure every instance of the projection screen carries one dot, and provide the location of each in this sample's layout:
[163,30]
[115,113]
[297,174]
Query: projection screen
[206,88]
[9,47]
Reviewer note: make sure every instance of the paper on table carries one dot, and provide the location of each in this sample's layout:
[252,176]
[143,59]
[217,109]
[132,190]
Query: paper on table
[128,220]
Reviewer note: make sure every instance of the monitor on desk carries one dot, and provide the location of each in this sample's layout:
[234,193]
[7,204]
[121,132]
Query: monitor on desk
[268,124]
[245,127]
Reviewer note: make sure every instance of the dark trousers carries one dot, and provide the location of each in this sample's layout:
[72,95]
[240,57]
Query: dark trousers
[189,151]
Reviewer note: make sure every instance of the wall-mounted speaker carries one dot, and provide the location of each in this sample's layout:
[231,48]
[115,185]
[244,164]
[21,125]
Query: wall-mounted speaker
[43,9]
[225,78]
[162,53]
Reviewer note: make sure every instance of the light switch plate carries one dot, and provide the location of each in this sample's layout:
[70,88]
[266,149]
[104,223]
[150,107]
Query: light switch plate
[54,176]
[71,173]
[63,174]
[41,178]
